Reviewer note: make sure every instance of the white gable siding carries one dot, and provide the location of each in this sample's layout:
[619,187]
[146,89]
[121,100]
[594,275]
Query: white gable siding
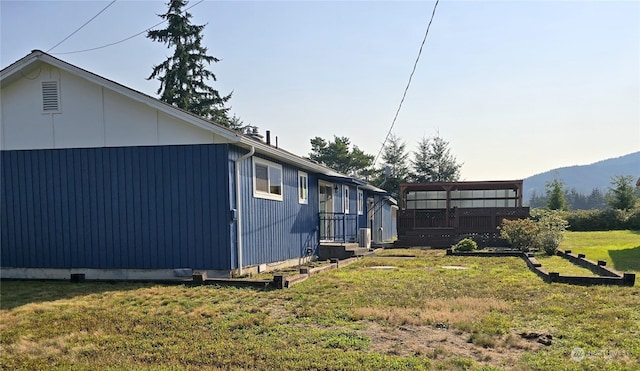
[79,123]
[173,131]
[23,123]
[128,123]
[90,115]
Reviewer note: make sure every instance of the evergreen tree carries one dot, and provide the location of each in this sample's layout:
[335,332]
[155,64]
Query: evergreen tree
[395,157]
[596,200]
[339,156]
[622,193]
[433,162]
[555,195]
[421,162]
[183,76]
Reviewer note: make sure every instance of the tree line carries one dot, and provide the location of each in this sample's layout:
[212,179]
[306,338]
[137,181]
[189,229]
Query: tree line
[432,161]
[621,195]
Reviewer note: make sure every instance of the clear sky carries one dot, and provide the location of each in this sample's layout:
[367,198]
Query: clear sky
[516,87]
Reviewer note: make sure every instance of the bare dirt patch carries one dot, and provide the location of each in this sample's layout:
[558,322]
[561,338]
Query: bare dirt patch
[439,342]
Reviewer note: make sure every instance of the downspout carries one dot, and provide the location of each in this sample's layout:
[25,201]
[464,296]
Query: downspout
[239,208]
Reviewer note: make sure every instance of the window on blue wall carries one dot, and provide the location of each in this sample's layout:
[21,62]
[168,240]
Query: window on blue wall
[303,187]
[360,202]
[346,200]
[267,179]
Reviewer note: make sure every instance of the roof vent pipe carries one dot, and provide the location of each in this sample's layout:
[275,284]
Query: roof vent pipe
[268,137]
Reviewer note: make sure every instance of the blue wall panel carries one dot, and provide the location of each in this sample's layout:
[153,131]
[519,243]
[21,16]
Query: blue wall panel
[276,230]
[116,208]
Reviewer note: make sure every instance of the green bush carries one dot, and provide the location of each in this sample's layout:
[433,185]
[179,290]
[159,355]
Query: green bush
[466,244]
[552,226]
[603,220]
[521,233]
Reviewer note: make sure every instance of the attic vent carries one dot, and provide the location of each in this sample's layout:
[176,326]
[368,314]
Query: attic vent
[50,97]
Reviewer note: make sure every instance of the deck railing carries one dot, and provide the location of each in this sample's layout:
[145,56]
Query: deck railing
[338,227]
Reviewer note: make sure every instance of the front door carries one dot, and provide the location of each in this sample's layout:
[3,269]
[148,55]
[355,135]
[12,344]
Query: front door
[326,211]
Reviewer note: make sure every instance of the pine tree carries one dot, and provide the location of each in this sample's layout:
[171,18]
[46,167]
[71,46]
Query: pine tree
[395,157]
[622,193]
[433,161]
[555,195]
[420,162]
[340,157]
[183,76]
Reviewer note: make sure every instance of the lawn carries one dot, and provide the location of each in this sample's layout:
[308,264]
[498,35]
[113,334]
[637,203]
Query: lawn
[422,310]
[620,249]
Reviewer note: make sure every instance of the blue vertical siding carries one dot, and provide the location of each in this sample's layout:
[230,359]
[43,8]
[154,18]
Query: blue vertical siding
[275,230]
[116,208]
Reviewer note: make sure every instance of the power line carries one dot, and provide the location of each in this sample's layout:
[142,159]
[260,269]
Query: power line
[81,27]
[125,39]
[408,83]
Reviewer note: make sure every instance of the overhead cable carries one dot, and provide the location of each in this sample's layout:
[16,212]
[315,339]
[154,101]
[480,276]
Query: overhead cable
[408,83]
[125,39]
[81,27]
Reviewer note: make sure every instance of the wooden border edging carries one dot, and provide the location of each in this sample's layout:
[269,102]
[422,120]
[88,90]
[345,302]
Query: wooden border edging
[283,281]
[607,276]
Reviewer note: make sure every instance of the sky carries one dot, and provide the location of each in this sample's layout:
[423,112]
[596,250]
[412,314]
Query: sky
[516,87]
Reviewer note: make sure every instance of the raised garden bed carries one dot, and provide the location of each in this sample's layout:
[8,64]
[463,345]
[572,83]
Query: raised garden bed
[602,275]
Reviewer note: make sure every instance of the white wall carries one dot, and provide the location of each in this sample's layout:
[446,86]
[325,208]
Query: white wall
[90,116]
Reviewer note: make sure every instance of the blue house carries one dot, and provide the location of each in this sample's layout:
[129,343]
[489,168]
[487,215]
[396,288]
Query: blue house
[103,180]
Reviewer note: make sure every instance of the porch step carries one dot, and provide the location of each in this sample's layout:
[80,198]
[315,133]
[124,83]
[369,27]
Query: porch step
[341,251]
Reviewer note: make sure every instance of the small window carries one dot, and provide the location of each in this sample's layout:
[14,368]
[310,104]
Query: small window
[346,200]
[303,188]
[50,97]
[360,202]
[267,179]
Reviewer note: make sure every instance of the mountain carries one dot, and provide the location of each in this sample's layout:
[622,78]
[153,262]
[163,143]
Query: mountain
[585,178]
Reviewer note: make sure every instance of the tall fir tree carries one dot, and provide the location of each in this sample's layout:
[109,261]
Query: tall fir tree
[555,195]
[434,162]
[184,79]
[421,162]
[622,193]
[395,157]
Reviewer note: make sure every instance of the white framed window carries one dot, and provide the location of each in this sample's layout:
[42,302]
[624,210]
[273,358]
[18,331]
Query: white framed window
[360,202]
[346,199]
[303,187]
[267,179]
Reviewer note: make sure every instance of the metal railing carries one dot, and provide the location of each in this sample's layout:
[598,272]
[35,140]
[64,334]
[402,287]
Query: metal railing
[339,227]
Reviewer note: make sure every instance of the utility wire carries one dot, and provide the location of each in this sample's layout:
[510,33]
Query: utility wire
[81,27]
[408,83]
[125,39]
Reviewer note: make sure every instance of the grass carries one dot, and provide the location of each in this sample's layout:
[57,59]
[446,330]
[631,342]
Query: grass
[563,266]
[416,316]
[620,249]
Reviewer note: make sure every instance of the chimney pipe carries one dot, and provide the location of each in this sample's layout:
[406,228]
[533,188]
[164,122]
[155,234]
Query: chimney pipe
[276,141]
[268,137]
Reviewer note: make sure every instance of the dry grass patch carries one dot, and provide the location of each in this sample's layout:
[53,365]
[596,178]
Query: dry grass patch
[449,311]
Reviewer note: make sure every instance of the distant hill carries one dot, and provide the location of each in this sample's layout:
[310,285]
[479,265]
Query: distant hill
[585,178]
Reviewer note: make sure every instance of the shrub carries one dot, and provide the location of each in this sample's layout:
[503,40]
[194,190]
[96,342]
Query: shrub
[603,220]
[521,233]
[466,244]
[552,226]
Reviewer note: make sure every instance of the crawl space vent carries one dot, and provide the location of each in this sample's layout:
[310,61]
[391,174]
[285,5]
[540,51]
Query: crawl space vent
[50,98]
